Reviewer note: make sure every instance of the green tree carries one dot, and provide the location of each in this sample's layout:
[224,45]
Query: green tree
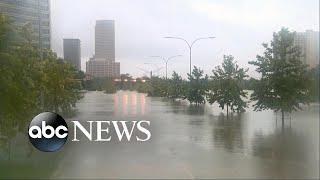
[226,88]
[110,87]
[126,82]
[314,88]
[142,85]
[176,87]
[105,84]
[32,79]
[7,33]
[16,86]
[157,87]
[80,76]
[60,88]
[249,84]
[284,83]
[197,86]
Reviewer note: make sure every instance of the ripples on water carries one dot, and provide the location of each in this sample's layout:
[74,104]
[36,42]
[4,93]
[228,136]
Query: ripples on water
[187,142]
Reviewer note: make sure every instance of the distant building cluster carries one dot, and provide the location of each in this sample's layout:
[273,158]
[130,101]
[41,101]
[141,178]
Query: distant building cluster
[309,43]
[35,12]
[103,64]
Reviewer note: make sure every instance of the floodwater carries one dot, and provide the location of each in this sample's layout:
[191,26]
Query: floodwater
[186,142]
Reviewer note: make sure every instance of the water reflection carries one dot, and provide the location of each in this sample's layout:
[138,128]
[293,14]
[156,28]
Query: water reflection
[187,142]
[287,150]
[283,144]
[227,132]
[129,103]
[133,103]
[195,109]
[11,127]
[115,104]
[18,158]
[142,103]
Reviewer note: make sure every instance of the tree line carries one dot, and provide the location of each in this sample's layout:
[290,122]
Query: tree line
[285,83]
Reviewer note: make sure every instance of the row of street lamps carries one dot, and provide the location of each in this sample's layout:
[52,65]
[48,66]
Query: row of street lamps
[166,60]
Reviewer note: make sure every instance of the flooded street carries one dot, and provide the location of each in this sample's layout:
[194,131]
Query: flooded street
[186,142]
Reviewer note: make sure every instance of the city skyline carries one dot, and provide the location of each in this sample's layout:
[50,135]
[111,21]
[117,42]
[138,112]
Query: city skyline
[140,29]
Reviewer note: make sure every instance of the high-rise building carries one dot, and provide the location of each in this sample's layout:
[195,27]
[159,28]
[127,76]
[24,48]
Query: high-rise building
[35,12]
[105,40]
[103,63]
[309,43]
[72,52]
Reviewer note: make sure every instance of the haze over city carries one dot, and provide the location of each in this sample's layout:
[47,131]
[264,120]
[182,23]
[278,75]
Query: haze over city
[240,27]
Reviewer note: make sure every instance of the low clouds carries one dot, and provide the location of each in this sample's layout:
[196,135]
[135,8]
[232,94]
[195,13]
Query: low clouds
[269,13]
[240,27]
[246,13]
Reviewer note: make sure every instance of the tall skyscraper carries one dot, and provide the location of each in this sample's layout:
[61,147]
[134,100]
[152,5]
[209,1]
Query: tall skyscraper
[309,43]
[105,40]
[103,63]
[72,52]
[35,12]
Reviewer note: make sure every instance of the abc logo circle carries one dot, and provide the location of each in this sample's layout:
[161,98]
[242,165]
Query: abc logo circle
[48,132]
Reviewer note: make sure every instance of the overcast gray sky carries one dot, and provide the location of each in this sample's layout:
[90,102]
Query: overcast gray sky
[240,26]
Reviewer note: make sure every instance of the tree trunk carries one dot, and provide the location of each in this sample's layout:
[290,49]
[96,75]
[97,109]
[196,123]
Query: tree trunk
[282,118]
[227,111]
[9,150]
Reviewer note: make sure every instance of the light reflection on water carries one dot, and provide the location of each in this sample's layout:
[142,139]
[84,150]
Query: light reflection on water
[187,142]
[131,105]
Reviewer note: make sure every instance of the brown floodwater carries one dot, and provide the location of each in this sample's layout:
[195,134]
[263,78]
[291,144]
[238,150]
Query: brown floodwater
[187,142]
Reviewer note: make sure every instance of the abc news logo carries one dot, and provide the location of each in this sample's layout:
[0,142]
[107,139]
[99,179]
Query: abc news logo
[48,131]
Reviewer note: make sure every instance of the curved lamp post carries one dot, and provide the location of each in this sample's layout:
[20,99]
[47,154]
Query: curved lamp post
[190,45]
[166,60]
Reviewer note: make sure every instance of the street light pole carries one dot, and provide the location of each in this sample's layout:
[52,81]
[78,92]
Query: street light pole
[166,60]
[190,46]
[190,55]
[146,71]
[153,70]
